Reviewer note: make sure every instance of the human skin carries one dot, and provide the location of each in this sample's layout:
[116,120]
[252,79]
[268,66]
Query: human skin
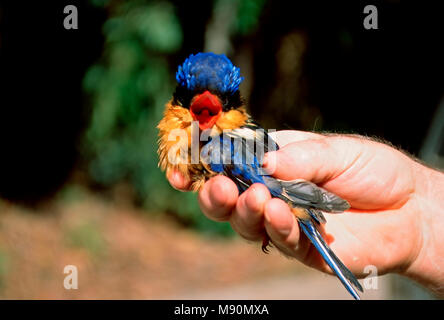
[395,222]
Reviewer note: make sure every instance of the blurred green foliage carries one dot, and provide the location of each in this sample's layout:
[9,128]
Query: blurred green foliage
[128,89]
[87,236]
[3,267]
[248,14]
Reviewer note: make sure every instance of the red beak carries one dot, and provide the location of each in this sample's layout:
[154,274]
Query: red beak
[206,108]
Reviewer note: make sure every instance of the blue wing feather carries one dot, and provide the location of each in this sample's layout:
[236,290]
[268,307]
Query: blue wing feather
[223,157]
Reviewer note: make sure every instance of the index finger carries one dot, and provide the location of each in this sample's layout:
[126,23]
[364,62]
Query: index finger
[218,198]
[178,181]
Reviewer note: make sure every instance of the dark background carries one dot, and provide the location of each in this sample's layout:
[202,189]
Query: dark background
[385,83]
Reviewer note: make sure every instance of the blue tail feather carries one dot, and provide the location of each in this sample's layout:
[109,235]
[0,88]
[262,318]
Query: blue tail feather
[345,276]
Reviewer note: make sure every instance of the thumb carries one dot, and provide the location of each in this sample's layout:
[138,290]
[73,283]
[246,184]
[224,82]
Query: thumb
[316,160]
[369,174]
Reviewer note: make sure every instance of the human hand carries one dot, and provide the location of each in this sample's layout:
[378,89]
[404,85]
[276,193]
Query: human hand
[388,225]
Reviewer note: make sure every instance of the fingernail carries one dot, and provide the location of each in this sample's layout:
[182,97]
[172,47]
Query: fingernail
[267,218]
[255,198]
[217,194]
[281,223]
[269,162]
[284,232]
[265,160]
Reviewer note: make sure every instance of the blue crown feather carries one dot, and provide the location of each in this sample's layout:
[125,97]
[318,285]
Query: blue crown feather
[209,71]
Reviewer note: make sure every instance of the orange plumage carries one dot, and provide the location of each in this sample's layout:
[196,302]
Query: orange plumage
[178,117]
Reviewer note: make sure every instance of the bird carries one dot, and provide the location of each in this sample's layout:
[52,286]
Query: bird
[207,116]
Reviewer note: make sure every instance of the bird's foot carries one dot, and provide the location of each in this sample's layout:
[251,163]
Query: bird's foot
[265,244]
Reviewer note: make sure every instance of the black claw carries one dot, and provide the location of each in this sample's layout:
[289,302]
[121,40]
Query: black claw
[265,244]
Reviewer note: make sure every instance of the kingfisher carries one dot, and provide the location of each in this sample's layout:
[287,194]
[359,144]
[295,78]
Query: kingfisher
[207,115]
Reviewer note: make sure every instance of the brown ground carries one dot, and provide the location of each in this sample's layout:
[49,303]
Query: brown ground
[124,253]
[120,252]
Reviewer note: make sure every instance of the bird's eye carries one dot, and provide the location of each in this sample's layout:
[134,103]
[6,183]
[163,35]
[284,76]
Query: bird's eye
[182,97]
[231,101]
[225,102]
